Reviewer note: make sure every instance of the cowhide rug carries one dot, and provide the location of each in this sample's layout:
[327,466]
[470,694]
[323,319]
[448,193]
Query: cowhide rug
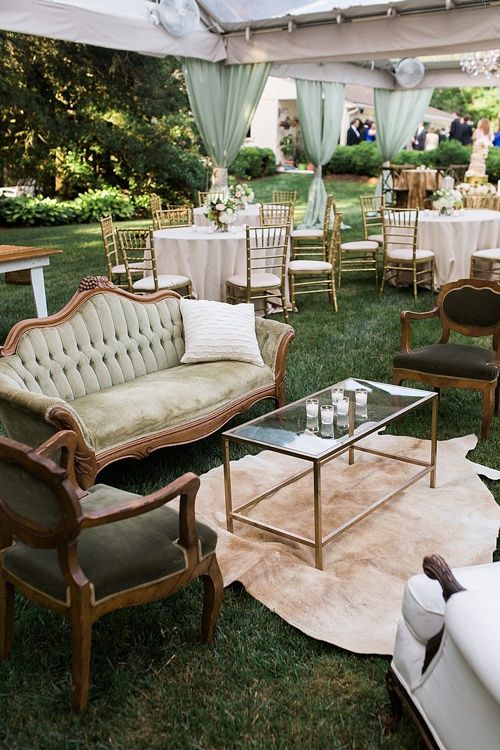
[355,601]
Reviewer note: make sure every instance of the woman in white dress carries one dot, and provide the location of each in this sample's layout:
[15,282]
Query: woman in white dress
[481,142]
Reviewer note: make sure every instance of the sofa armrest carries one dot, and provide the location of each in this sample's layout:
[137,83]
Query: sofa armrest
[274,339]
[33,417]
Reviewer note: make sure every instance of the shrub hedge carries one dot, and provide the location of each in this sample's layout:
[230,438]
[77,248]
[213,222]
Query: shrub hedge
[87,207]
[253,162]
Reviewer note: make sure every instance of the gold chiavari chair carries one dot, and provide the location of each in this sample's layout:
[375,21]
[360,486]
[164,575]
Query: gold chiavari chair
[117,272]
[266,250]
[137,246]
[273,214]
[154,204]
[307,241]
[358,256]
[284,196]
[314,275]
[401,255]
[211,194]
[371,213]
[181,216]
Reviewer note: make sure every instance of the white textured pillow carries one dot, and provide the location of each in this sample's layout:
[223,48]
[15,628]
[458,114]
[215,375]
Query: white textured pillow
[215,331]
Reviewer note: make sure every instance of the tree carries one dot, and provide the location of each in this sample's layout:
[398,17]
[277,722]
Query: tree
[75,116]
[478,102]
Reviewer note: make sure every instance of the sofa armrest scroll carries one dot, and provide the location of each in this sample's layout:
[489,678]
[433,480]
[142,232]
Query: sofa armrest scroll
[274,339]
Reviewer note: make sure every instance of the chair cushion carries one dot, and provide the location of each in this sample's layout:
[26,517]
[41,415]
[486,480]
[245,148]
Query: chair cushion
[309,265]
[423,603]
[166,399]
[114,557]
[259,280]
[306,234]
[453,360]
[133,267]
[379,238]
[360,246]
[491,254]
[403,253]
[165,281]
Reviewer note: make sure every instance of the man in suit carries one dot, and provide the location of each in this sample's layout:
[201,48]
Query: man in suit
[418,143]
[466,131]
[455,126]
[354,133]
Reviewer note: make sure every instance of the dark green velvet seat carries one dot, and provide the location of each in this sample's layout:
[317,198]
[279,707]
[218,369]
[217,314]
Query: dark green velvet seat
[84,554]
[116,557]
[469,307]
[456,360]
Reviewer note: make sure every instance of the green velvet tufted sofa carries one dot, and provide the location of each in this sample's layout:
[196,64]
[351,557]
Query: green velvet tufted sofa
[108,367]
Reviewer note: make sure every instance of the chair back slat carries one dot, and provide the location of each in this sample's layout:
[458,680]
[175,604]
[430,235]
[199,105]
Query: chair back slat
[266,250]
[206,196]
[173,217]
[334,244]
[110,246]
[37,503]
[400,228]
[154,204]
[137,248]
[372,207]
[275,214]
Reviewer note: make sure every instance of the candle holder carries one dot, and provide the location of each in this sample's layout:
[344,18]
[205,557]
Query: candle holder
[312,408]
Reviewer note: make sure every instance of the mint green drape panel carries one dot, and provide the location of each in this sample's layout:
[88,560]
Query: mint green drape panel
[223,99]
[320,107]
[398,114]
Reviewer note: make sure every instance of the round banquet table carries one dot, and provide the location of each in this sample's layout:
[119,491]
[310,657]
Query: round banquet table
[208,258]
[453,240]
[250,215]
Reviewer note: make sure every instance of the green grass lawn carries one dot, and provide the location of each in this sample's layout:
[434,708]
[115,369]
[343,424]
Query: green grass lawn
[263,684]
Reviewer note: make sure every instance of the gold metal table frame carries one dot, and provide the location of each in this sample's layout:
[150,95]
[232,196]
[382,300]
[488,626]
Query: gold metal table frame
[321,540]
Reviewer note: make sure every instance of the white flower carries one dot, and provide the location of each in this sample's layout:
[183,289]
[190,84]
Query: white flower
[220,207]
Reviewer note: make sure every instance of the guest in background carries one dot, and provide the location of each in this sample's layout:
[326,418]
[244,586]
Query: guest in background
[354,133]
[443,135]
[483,134]
[496,137]
[465,131]
[455,123]
[431,140]
[418,142]
[371,133]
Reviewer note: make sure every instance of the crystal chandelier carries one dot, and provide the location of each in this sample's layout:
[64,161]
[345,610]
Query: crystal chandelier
[486,62]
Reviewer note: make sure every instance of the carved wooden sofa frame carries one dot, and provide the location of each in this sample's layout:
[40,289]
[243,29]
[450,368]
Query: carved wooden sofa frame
[57,417]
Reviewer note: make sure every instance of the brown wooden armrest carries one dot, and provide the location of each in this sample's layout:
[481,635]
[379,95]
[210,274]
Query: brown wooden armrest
[437,568]
[67,442]
[185,486]
[408,315]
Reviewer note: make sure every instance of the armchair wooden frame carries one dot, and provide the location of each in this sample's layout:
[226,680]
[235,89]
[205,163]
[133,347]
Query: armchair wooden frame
[80,607]
[489,388]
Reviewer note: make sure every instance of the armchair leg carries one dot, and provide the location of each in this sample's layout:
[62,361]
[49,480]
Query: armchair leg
[6,618]
[488,404]
[391,721]
[81,638]
[214,587]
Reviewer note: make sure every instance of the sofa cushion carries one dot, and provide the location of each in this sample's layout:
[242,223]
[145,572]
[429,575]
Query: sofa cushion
[108,341]
[114,557]
[166,399]
[455,360]
[216,330]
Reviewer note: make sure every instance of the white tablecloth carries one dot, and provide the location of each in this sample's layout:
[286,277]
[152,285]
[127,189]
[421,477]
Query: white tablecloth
[208,258]
[250,216]
[453,239]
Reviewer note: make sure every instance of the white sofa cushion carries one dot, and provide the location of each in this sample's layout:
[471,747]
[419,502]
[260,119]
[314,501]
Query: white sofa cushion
[216,331]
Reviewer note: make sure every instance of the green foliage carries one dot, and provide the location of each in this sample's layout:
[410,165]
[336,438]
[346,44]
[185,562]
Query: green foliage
[87,207]
[493,165]
[363,159]
[478,102]
[253,162]
[449,152]
[77,117]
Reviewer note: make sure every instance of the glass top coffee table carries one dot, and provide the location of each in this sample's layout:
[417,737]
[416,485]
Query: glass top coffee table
[305,430]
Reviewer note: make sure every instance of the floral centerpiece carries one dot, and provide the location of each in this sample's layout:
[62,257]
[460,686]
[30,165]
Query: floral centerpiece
[467,188]
[446,200]
[221,210]
[242,194]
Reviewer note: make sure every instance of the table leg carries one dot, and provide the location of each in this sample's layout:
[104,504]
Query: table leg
[227,485]
[38,285]
[318,522]
[434,429]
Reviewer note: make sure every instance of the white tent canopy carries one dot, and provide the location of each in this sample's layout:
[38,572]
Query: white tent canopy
[341,40]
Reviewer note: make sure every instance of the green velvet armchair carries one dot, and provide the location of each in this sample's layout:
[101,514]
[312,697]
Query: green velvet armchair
[472,308]
[86,553]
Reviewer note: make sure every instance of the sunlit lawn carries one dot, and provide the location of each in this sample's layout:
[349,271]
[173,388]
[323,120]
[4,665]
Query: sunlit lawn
[263,684]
